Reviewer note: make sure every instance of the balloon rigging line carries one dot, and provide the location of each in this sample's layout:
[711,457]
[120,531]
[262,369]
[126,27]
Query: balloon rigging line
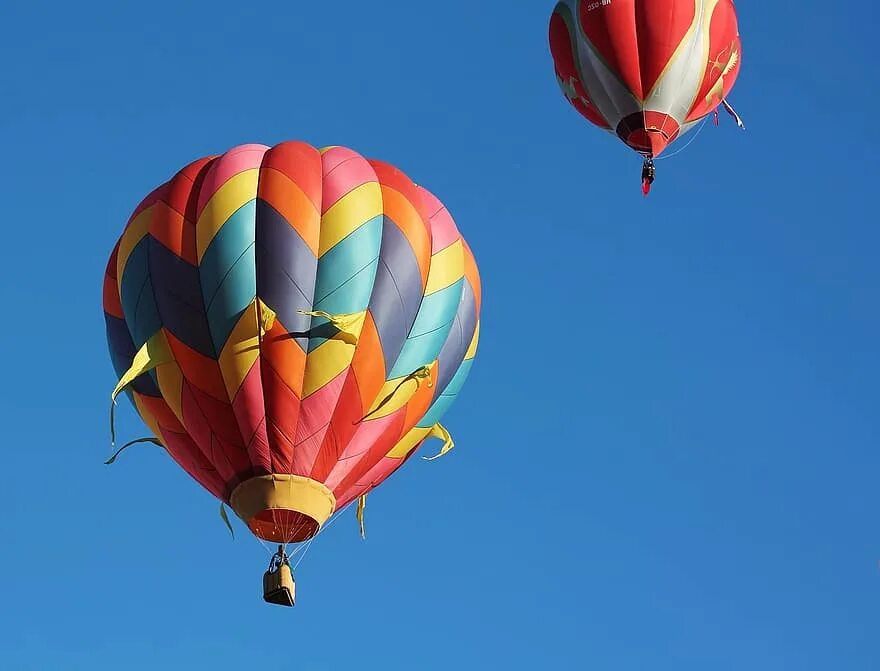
[688,144]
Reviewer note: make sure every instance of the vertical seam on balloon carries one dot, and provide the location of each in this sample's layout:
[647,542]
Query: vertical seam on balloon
[354,188]
[217,349]
[310,303]
[348,369]
[257,302]
[679,49]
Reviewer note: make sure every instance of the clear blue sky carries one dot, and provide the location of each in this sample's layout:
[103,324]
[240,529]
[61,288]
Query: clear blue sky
[690,379]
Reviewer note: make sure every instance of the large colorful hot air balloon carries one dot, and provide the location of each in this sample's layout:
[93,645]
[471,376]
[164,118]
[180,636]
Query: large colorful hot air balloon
[646,70]
[291,323]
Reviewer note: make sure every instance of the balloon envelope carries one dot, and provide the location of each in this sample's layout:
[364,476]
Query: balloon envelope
[646,70]
[295,321]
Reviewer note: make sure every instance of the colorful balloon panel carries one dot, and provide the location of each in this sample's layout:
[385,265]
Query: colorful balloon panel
[318,312]
[646,70]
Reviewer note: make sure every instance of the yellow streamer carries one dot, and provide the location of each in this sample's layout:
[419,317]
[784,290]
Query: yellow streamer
[362,504]
[129,444]
[420,374]
[439,431]
[343,322]
[417,375]
[225,518]
[154,352]
[267,318]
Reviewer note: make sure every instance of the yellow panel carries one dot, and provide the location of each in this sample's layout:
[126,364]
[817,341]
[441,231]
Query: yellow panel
[447,268]
[408,443]
[324,150]
[234,193]
[241,351]
[331,357]
[135,232]
[349,213]
[171,386]
[472,348]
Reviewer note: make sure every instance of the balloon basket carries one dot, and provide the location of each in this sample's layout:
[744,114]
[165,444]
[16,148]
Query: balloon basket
[279,587]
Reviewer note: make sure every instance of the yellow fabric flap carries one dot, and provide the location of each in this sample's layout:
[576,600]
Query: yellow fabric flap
[423,373]
[267,318]
[362,504]
[416,376]
[342,322]
[154,352]
[439,431]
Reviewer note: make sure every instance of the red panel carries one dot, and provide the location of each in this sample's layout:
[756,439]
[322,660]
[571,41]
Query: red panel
[611,29]
[636,38]
[288,164]
[343,424]
[157,194]
[375,452]
[173,223]
[184,183]
[661,26]
[249,410]
[181,447]
[314,422]
[201,371]
[397,191]
[199,428]
[301,163]
[648,132]
[188,456]
[375,477]
[725,53]
[282,416]
[388,175]
[219,415]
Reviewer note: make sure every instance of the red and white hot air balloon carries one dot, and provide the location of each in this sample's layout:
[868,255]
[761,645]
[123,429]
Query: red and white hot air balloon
[646,70]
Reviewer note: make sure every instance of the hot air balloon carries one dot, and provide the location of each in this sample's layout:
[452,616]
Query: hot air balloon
[646,70]
[291,324]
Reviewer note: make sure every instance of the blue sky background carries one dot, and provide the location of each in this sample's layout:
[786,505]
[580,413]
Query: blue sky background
[667,451]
